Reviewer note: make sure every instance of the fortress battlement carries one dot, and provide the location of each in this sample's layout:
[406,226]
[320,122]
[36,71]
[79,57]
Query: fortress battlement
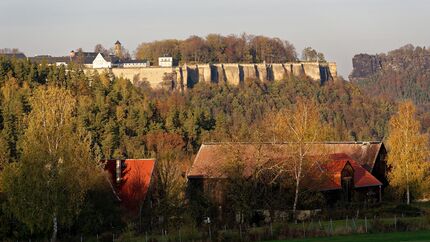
[187,76]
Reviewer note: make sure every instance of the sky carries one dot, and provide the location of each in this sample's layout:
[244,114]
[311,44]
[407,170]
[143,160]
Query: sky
[338,28]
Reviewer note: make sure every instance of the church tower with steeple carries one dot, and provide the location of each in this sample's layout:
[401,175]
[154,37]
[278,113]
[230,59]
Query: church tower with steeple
[118,49]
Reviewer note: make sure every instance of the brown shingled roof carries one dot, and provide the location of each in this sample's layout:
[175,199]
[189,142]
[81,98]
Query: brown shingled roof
[212,156]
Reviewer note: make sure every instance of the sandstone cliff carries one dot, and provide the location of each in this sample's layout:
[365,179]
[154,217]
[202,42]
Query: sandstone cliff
[364,65]
[188,75]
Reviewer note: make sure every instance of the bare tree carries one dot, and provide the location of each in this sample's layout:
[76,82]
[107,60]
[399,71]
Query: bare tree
[100,49]
[9,51]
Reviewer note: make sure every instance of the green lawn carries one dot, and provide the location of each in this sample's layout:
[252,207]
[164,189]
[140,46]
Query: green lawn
[419,236]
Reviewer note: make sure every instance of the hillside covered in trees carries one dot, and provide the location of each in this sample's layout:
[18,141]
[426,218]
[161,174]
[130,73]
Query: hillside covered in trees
[121,115]
[109,118]
[400,74]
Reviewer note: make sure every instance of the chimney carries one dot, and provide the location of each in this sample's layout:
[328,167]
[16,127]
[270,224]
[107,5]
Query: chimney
[118,171]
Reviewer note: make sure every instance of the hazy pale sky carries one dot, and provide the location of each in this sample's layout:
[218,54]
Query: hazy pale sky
[338,28]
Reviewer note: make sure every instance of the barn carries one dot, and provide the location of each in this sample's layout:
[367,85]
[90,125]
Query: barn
[347,171]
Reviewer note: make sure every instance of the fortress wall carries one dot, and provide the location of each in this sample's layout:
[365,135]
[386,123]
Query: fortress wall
[289,68]
[204,73]
[232,74]
[262,72]
[249,71]
[188,76]
[297,69]
[181,77]
[312,70]
[333,69]
[279,72]
[218,73]
[154,75]
[208,73]
[192,75]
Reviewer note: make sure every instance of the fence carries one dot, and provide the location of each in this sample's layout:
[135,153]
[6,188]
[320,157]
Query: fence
[303,229]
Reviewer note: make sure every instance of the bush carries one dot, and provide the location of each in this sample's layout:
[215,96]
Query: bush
[229,236]
[407,210]
[190,232]
[378,226]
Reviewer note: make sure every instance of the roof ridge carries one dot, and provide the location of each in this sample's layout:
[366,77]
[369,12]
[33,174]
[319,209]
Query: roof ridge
[319,142]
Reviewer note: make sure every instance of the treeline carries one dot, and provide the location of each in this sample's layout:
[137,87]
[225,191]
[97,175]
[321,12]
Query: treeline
[109,118]
[216,48]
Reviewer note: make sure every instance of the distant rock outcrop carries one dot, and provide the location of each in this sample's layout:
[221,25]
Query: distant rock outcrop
[400,74]
[364,66]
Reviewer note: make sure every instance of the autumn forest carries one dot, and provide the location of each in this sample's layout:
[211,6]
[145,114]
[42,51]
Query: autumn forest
[58,122]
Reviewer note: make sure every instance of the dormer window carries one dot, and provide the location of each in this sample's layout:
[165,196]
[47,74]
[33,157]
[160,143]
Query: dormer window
[347,181]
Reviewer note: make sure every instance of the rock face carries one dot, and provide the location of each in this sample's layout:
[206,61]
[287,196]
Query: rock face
[188,75]
[364,66]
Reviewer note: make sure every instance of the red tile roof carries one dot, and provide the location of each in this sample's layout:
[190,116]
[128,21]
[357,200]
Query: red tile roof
[136,177]
[334,167]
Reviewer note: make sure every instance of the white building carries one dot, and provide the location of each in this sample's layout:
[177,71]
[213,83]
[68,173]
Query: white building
[165,61]
[134,64]
[101,62]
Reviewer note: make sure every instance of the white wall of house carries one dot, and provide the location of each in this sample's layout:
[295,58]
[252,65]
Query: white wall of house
[165,61]
[100,62]
[135,65]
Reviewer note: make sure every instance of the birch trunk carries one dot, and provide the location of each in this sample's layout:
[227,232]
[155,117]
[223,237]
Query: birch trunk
[54,228]
[408,197]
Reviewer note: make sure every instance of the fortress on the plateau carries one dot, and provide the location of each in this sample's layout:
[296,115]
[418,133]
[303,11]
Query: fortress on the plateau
[187,76]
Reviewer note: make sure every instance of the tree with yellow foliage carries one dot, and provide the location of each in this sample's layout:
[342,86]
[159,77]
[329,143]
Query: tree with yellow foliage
[299,127]
[46,188]
[408,150]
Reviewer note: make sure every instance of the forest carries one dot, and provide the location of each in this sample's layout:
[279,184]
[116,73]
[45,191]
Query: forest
[106,117]
[216,48]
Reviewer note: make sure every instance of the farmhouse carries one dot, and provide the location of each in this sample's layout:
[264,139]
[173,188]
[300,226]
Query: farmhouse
[342,171]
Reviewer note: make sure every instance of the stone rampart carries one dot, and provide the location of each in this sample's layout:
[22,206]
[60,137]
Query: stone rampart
[233,73]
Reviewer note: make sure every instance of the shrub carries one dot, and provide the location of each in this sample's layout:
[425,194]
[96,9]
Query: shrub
[407,210]
[229,236]
[378,226]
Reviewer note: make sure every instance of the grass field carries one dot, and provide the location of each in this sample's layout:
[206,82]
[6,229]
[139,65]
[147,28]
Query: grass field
[419,236]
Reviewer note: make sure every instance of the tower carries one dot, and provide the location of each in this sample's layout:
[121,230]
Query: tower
[118,49]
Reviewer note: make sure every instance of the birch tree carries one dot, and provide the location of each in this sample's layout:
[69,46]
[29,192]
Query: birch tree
[299,127]
[408,150]
[46,188]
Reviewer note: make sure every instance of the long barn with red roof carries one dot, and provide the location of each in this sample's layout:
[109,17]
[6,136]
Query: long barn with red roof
[351,170]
